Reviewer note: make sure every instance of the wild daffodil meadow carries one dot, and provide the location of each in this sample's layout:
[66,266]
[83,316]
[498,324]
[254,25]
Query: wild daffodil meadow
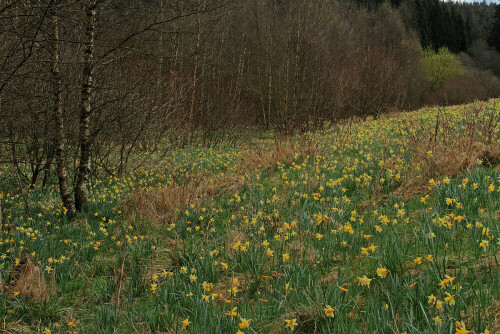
[370,226]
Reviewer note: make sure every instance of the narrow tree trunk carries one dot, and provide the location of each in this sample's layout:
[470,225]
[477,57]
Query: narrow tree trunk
[47,167]
[58,114]
[81,201]
[262,90]
[34,176]
[296,71]
[270,90]
[161,59]
[191,126]
[285,119]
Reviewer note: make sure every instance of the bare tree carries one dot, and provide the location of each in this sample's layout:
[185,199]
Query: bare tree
[81,201]
[141,76]
[59,115]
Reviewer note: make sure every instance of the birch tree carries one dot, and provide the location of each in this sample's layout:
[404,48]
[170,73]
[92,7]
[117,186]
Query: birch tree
[59,115]
[81,192]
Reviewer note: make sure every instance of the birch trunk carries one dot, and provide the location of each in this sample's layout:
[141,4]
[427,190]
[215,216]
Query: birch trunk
[59,121]
[81,193]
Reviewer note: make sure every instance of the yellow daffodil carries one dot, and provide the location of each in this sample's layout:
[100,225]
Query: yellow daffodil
[185,323]
[291,323]
[382,272]
[330,311]
[450,299]
[232,313]
[364,281]
[460,328]
[244,323]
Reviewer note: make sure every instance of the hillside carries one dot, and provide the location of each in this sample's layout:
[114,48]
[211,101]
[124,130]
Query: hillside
[386,226]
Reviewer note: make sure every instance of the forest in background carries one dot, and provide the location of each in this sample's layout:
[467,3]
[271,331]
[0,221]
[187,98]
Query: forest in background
[84,84]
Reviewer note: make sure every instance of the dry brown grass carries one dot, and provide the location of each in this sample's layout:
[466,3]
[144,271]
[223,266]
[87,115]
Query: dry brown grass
[162,205]
[296,247]
[458,155]
[283,151]
[27,279]
[490,314]
[331,277]
[259,159]
[366,205]
[305,318]
[14,328]
[445,150]
[164,259]
[235,234]
[493,314]
[445,160]
[225,284]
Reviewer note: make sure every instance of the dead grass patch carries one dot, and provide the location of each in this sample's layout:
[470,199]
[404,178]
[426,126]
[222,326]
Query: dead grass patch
[235,234]
[224,285]
[14,328]
[82,222]
[297,248]
[27,279]
[283,151]
[261,158]
[365,205]
[305,319]
[445,149]
[433,160]
[164,259]
[493,314]
[449,159]
[162,205]
[332,276]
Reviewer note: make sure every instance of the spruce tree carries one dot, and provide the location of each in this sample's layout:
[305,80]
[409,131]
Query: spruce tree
[494,37]
[423,22]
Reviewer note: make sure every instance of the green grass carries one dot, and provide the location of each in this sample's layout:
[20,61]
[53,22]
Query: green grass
[336,216]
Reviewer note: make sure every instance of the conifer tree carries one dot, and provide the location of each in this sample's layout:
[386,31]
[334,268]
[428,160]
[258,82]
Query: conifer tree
[494,37]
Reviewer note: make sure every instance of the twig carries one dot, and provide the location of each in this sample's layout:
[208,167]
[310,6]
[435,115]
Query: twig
[392,311]
[119,292]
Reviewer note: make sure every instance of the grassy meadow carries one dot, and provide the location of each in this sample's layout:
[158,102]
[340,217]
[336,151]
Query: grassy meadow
[387,225]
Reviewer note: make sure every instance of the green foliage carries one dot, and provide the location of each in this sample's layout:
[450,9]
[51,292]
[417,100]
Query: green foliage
[440,67]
